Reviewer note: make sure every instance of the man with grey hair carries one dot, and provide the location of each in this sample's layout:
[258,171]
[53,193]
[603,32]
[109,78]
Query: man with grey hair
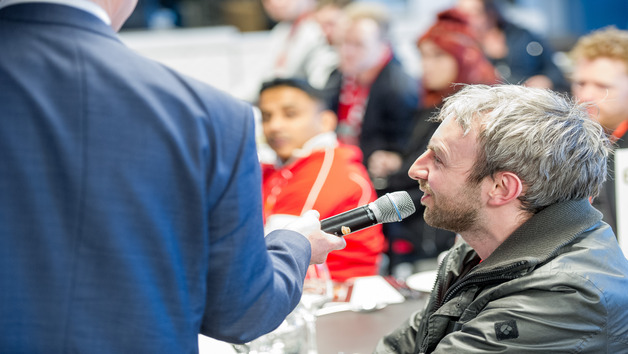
[511,169]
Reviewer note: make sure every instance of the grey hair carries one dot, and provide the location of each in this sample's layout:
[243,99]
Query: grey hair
[543,137]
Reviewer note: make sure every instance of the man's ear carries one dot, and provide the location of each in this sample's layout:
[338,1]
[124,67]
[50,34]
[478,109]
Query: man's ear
[329,120]
[506,187]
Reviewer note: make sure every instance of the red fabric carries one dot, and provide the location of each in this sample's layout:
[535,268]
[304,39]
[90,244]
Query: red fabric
[351,108]
[620,131]
[401,246]
[452,33]
[347,186]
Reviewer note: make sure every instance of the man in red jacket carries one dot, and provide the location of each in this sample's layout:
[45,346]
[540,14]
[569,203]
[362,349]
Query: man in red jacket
[314,171]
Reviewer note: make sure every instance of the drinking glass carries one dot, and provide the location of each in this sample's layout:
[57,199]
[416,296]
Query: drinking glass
[289,338]
[297,334]
[317,290]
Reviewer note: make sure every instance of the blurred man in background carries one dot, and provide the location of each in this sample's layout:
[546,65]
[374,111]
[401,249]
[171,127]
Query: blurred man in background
[313,171]
[600,78]
[373,96]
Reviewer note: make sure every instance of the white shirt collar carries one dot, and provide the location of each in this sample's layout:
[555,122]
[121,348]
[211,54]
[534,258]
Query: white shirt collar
[84,5]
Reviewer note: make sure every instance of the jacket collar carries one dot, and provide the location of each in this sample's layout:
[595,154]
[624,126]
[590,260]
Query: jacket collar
[85,5]
[541,236]
[52,13]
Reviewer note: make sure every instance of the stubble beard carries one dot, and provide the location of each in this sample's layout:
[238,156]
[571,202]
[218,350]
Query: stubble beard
[457,214]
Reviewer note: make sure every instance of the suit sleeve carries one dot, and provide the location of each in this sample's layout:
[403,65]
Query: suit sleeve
[252,282]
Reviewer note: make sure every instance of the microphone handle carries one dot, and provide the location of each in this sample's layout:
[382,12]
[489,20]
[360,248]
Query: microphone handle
[349,221]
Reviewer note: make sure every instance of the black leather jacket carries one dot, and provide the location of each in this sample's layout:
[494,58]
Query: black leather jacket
[558,284]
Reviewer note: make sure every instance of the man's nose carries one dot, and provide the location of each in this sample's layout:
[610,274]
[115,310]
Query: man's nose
[273,124]
[419,169]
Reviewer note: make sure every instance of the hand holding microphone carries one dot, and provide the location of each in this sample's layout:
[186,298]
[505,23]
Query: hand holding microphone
[322,243]
[392,207]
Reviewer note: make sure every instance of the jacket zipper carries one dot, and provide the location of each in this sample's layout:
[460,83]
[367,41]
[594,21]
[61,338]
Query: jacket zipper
[487,277]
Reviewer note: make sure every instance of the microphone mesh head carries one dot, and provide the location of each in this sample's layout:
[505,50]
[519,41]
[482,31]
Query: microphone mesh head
[393,207]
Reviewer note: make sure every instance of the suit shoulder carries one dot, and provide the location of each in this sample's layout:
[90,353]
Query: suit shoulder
[218,105]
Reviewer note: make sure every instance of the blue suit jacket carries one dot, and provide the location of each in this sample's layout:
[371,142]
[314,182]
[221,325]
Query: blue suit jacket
[130,212]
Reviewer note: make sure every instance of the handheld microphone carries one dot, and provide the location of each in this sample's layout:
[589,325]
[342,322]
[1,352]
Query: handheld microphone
[391,207]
